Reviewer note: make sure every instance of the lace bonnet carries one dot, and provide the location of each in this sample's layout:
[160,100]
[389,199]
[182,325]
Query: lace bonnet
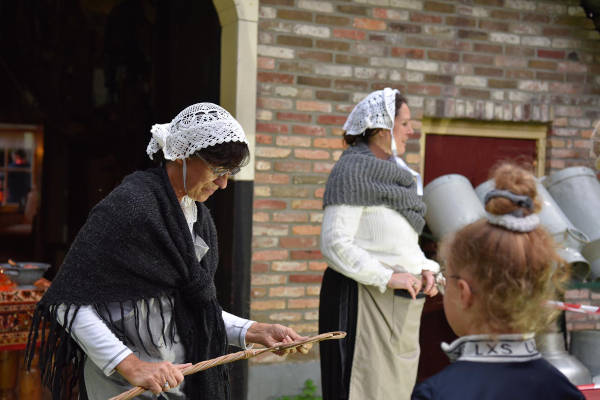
[377,110]
[197,127]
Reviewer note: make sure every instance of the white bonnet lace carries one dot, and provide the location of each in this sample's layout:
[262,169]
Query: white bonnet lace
[377,110]
[197,127]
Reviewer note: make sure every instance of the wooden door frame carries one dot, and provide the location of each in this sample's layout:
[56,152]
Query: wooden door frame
[486,129]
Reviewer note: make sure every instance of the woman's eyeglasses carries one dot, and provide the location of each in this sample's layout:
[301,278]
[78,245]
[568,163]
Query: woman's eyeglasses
[220,171]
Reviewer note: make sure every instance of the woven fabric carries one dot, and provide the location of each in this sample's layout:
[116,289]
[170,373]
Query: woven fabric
[377,110]
[197,127]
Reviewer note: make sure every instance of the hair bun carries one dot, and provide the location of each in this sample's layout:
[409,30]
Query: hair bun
[519,181]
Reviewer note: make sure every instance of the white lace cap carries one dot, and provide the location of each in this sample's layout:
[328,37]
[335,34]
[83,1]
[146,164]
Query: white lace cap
[513,223]
[377,110]
[197,127]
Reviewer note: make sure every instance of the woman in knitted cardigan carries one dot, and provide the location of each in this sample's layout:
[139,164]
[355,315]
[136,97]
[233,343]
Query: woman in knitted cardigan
[134,301]
[378,276]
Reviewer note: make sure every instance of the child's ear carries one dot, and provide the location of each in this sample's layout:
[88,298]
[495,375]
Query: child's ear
[466,294]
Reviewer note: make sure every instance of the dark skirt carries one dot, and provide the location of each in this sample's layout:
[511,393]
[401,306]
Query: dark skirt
[337,312]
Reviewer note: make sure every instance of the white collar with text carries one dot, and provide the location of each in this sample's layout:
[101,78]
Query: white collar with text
[518,347]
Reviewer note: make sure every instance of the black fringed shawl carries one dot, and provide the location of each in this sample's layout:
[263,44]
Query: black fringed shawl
[135,246]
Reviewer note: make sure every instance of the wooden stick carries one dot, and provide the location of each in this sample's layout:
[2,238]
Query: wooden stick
[240,355]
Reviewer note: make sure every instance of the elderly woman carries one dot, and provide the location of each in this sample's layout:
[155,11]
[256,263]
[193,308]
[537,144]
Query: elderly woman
[135,299]
[371,224]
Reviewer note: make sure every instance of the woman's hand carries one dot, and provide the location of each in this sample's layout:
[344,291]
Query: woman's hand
[274,334]
[151,375]
[430,288]
[405,280]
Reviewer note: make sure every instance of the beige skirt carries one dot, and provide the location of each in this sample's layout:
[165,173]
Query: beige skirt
[386,352]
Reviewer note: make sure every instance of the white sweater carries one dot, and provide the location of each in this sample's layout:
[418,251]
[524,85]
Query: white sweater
[370,243]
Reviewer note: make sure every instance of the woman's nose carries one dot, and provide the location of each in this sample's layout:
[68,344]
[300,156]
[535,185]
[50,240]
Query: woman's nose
[221,181]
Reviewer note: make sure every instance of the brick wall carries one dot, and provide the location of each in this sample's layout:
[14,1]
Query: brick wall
[505,60]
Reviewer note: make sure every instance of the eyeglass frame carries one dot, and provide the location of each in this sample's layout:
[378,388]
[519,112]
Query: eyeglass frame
[219,171]
[441,280]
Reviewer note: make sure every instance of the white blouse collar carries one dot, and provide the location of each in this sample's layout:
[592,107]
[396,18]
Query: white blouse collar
[518,347]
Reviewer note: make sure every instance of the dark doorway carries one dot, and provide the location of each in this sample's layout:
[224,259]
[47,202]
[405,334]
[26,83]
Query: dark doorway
[95,75]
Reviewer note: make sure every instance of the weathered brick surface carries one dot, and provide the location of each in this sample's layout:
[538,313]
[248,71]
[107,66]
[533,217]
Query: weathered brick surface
[495,60]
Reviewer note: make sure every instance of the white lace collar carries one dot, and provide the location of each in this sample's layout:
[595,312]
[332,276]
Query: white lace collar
[518,347]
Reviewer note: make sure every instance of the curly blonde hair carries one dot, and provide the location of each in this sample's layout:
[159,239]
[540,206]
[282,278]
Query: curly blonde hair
[513,273]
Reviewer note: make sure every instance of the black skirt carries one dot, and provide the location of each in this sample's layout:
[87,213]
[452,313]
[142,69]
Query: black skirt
[338,306]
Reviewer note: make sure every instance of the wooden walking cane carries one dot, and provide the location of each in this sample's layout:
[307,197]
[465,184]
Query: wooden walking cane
[240,355]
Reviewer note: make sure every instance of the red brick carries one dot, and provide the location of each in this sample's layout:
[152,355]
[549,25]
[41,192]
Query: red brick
[293,141]
[291,166]
[307,230]
[332,20]
[298,242]
[354,10]
[271,178]
[473,35]
[488,71]
[289,191]
[537,18]
[310,105]
[311,81]
[321,191]
[333,45]
[269,204]
[429,90]
[434,78]
[311,154]
[271,128]
[333,96]
[295,67]
[287,291]
[260,267]
[461,21]
[505,15]
[295,15]
[408,53]
[501,84]
[306,278]
[273,103]
[266,63]
[269,255]
[352,34]
[289,116]
[288,266]
[267,279]
[558,54]
[275,77]
[312,130]
[303,303]
[315,56]
[476,93]
[347,84]
[264,139]
[487,48]
[405,28]
[290,217]
[437,7]
[294,41]
[519,74]
[268,305]
[307,204]
[328,143]
[350,59]
[420,41]
[260,217]
[369,24]
[443,56]
[258,292]
[488,25]
[331,119]
[425,18]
